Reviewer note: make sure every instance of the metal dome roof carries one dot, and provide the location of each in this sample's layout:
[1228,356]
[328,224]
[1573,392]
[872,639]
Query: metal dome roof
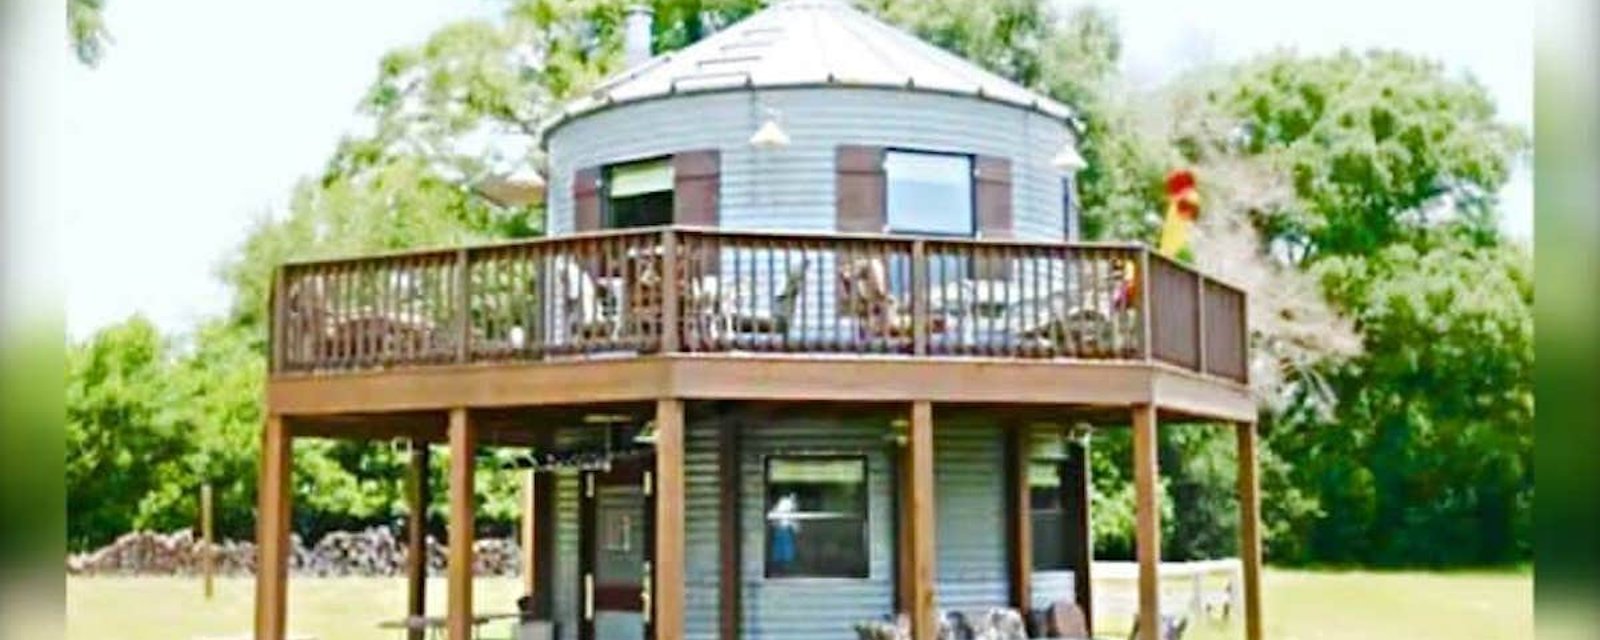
[808,43]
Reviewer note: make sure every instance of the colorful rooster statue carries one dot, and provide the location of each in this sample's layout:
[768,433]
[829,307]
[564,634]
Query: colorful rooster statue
[1183,207]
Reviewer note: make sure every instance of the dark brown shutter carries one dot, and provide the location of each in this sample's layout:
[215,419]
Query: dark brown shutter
[992,187]
[586,199]
[992,198]
[859,189]
[695,181]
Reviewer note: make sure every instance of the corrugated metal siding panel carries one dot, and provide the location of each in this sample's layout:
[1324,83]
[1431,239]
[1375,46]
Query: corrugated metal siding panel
[703,556]
[792,188]
[1052,586]
[969,494]
[566,560]
[815,609]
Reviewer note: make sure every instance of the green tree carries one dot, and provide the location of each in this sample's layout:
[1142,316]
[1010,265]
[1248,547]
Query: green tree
[1379,147]
[1430,458]
[123,431]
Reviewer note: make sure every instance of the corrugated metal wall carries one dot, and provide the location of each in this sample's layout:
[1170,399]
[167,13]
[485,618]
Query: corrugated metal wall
[566,560]
[970,508]
[703,559]
[815,608]
[793,188]
[970,513]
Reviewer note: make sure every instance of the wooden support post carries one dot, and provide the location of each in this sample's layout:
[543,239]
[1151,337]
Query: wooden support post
[463,440]
[668,599]
[1250,528]
[530,537]
[208,553]
[920,535]
[272,531]
[1148,517]
[419,495]
[1079,491]
[1019,524]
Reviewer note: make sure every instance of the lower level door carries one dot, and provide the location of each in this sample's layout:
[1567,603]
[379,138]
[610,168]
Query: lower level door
[616,543]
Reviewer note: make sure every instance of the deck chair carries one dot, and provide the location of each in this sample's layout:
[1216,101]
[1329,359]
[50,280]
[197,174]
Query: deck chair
[999,623]
[864,295]
[590,310]
[779,316]
[375,336]
[1064,619]
[1172,628]
[1084,323]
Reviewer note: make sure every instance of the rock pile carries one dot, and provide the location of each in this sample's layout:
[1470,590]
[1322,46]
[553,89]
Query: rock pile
[373,552]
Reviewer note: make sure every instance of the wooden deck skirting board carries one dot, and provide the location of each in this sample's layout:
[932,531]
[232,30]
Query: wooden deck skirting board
[771,378]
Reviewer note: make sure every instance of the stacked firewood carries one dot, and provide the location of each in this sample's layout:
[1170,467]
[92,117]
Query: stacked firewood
[148,553]
[373,552]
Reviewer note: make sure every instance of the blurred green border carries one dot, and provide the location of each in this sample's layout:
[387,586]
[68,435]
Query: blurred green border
[1567,314]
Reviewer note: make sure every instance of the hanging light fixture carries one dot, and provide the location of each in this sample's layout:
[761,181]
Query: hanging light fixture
[1068,159]
[770,135]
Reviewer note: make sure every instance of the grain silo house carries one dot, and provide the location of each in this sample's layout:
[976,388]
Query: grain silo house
[812,343]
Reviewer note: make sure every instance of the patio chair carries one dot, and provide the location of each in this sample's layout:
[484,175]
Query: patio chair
[864,295]
[1172,627]
[590,309]
[1064,619]
[320,332]
[999,623]
[1085,322]
[898,628]
[777,317]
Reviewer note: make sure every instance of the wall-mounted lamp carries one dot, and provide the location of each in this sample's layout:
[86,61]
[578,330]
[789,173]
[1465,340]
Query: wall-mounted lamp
[899,432]
[770,135]
[1080,433]
[1068,159]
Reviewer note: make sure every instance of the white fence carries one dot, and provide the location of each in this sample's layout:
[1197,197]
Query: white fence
[1204,588]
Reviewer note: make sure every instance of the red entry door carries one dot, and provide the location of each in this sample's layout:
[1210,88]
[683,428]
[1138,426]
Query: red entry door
[616,541]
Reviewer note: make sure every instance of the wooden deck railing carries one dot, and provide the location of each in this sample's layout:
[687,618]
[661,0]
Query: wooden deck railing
[615,294]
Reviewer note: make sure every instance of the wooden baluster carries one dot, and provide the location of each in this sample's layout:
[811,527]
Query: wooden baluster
[341,305]
[1200,323]
[462,308]
[671,313]
[367,307]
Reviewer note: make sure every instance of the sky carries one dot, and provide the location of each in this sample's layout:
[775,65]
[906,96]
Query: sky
[203,114]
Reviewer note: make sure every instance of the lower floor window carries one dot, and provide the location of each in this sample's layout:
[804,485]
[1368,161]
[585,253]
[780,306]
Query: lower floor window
[1047,505]
[816,517]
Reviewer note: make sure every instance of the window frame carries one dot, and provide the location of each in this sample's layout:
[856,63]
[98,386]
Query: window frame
[865,516]
[972,191]
[608,219]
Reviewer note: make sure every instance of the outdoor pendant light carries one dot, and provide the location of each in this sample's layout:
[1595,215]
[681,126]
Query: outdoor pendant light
[770,135]
[1068,159]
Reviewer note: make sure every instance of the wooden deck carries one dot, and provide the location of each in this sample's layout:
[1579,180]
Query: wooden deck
[737,315]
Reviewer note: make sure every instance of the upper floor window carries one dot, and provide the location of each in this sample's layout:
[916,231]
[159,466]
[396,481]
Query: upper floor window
[639,194]
[929,193]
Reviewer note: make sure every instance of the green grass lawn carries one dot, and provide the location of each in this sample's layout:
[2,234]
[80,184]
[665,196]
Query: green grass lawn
[1300,605]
